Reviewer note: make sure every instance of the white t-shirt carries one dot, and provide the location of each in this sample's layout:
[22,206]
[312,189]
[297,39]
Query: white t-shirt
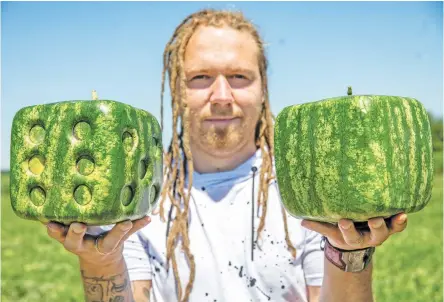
[220,232]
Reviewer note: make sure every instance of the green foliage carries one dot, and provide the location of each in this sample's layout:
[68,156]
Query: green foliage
[34,266]
[438,162]
[436,125]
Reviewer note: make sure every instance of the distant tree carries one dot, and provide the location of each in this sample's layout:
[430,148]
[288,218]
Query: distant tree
[436,125]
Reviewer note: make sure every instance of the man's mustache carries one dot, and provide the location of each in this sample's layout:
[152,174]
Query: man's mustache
[221,113]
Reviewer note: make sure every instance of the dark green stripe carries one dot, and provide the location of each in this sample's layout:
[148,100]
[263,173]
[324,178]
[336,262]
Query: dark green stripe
[417,149]
[284,178]
[313,125]
[291,171]
[398,180]
[426,143]
[342,116]
[299,167]
[406,151]
[287,124]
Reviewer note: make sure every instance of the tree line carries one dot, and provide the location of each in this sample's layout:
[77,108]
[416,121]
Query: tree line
[436,125]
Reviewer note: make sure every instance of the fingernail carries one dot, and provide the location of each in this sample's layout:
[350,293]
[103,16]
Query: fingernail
[377,224]
[146,220]
[345,226]
[402,218]
[51,226]
[77,228]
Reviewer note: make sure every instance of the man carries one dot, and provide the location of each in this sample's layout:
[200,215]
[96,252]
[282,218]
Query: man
[220,232]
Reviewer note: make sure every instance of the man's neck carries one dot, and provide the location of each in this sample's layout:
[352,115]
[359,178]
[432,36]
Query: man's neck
[205,162]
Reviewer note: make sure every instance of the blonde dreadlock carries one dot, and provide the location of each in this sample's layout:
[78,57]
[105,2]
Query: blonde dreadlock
[177,166]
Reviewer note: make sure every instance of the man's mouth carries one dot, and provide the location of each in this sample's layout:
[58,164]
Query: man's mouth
[221,121]
[216,119]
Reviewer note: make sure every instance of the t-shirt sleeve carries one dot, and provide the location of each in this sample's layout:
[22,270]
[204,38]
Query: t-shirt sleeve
[135,253]
[313,259]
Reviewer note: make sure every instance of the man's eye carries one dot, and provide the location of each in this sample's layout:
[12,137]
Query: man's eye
[238,76]
[200,77]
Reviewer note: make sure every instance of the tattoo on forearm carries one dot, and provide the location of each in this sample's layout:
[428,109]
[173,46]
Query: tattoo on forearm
[118,288]
[94,292]
[107,289]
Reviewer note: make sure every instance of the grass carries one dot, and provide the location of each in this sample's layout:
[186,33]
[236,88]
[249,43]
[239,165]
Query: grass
[34,266]
[408,267]
[438,162]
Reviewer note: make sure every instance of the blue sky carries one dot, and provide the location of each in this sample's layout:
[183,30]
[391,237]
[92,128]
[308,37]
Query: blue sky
[56,51]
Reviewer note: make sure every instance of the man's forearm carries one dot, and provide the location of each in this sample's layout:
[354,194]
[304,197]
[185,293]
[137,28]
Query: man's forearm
[106,283]
[339,286]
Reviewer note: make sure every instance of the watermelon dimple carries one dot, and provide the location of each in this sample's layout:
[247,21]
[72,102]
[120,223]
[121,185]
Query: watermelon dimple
[355,157]
[97,162]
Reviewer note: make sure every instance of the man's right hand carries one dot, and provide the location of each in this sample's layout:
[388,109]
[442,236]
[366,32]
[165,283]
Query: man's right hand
[109,244]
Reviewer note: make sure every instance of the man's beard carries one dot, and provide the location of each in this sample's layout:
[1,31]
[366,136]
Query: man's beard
[221,137]
[216,137]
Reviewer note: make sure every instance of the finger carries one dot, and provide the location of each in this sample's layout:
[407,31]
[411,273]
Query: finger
[323,228]
[378,231]
[111,240]
[351,236]
[137,225]
[398,223]
[74,238]
[56,231]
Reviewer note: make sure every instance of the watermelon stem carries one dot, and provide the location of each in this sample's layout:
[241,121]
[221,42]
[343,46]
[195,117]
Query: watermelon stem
[349,90]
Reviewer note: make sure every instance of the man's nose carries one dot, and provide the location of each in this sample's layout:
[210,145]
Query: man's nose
[221,91]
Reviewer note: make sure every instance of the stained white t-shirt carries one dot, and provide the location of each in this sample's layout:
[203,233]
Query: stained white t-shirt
[220,232]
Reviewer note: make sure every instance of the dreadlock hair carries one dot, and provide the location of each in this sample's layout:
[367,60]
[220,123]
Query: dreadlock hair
[178,158]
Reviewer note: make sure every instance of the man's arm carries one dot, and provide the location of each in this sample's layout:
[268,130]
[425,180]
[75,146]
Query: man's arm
[341,286]
[345,286]
[106,283]
[313,293]
[141,290]
[102,265]
[112,283]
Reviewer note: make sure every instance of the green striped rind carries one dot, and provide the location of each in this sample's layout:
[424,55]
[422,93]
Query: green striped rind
[354,157]
[114,167]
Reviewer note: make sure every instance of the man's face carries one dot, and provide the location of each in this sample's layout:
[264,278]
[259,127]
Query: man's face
[224,91]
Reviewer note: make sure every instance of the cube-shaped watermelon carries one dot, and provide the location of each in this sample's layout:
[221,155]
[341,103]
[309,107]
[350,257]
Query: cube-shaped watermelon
[355,157]
[97,162]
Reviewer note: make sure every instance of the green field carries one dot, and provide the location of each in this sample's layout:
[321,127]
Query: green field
[408,267]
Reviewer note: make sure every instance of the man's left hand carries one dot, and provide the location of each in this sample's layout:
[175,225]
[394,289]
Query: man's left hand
[345,236]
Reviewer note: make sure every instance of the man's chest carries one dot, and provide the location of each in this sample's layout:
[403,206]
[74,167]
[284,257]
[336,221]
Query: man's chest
[228,261]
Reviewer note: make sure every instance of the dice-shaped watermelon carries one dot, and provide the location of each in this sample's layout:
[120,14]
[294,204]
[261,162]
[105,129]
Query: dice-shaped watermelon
[97,162]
